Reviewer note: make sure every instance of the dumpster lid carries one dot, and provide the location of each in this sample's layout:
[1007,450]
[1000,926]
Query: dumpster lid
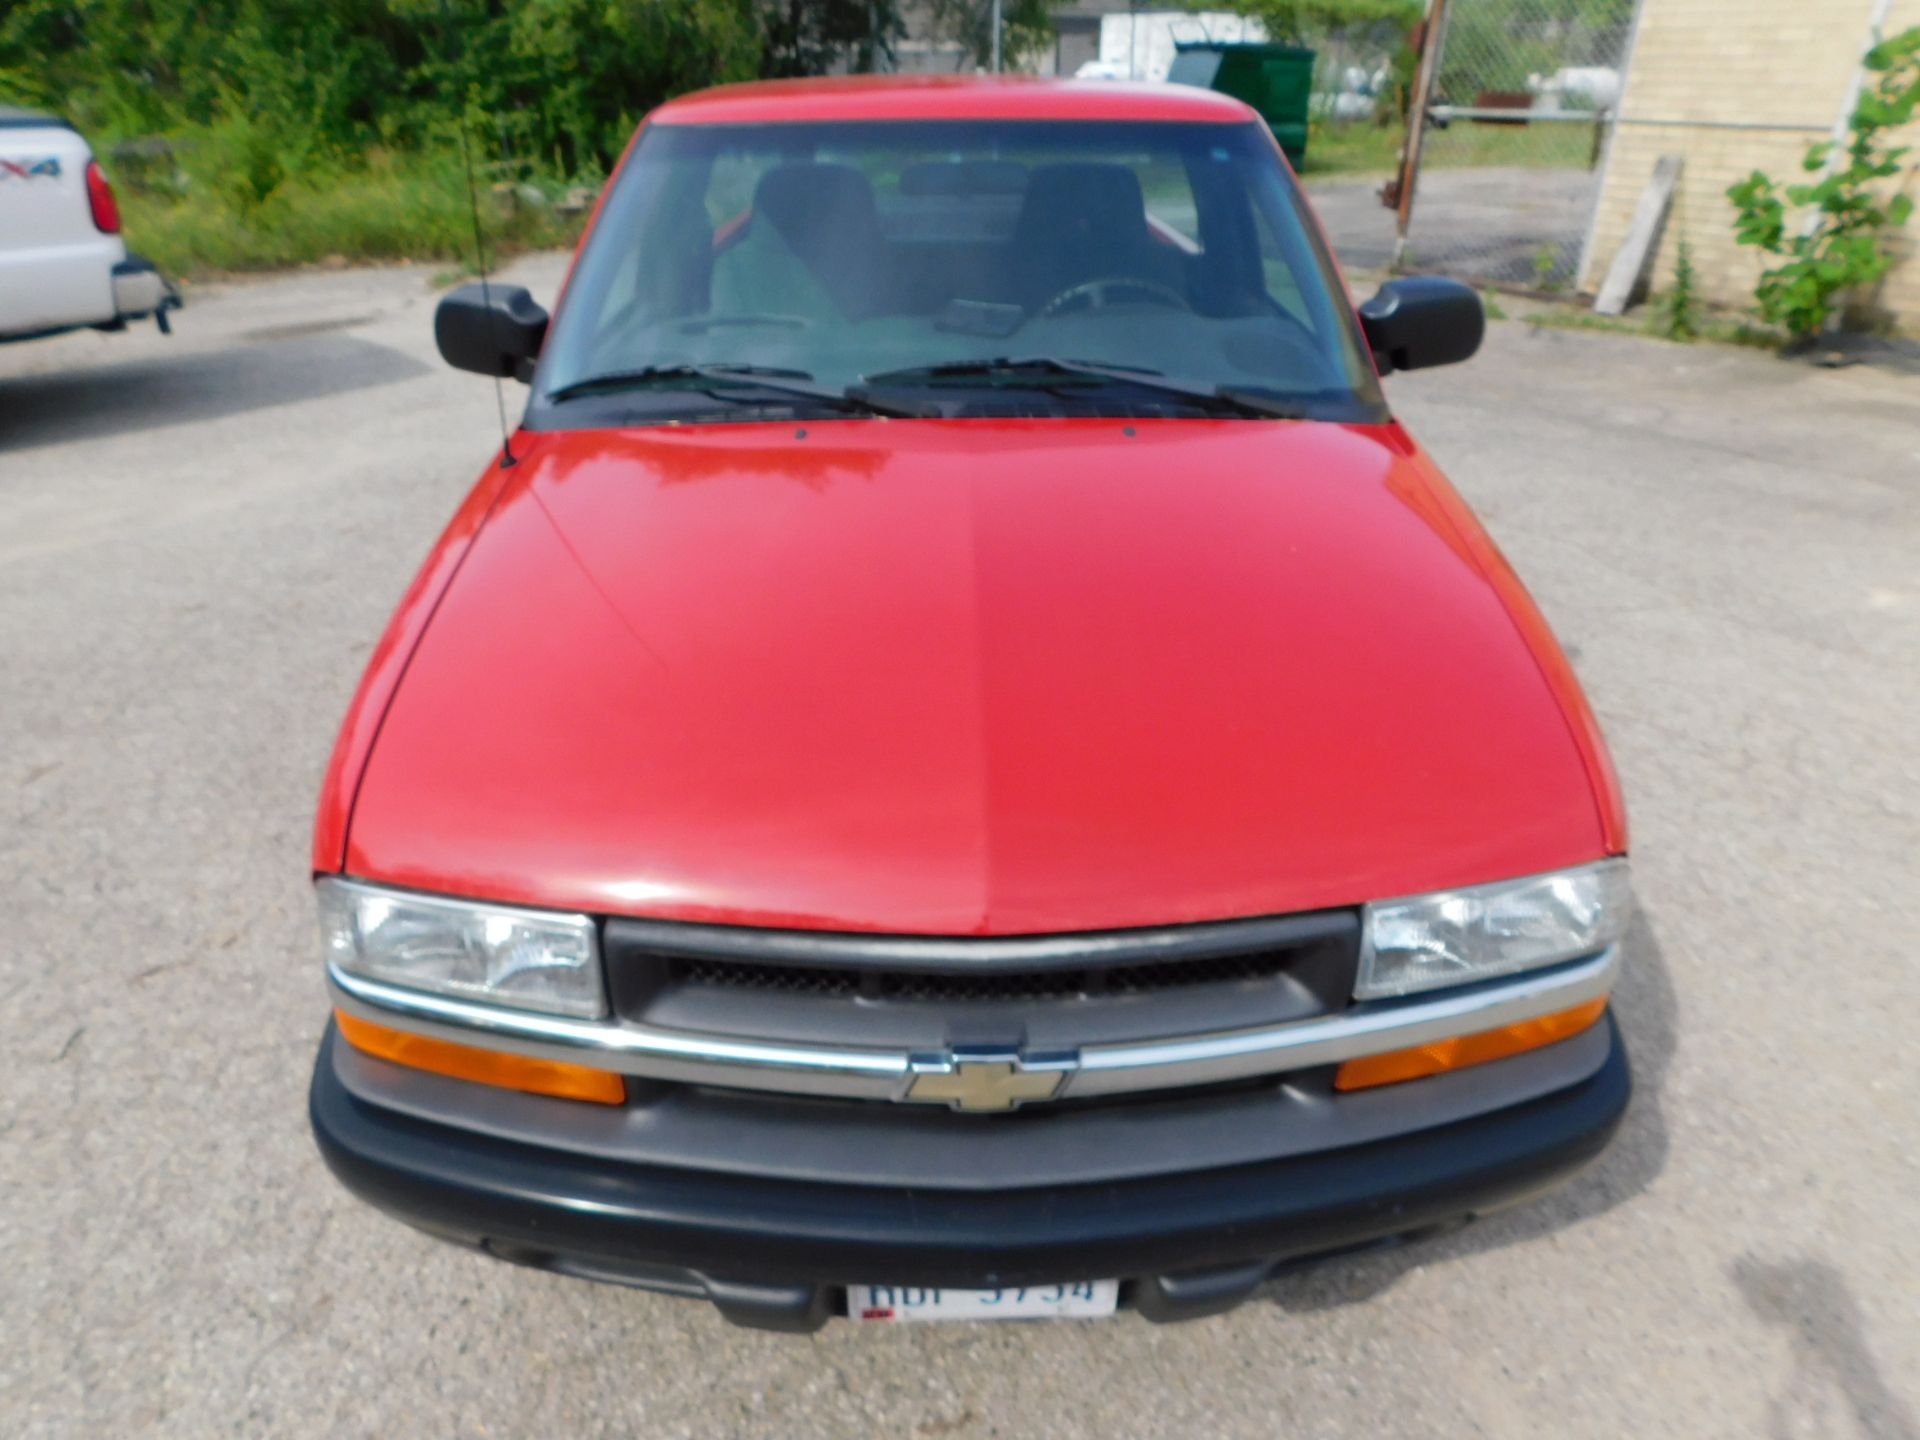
[1241,47]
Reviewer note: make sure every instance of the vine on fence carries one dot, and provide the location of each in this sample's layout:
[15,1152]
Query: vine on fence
[1837,242]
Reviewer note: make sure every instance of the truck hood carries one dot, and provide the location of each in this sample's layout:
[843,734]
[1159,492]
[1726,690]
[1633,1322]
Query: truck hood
[976,677]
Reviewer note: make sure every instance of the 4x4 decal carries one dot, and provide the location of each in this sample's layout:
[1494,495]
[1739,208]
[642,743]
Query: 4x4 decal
[30,169]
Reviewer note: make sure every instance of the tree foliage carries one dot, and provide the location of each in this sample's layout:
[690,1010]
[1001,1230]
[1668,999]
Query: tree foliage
[808,37]
[1026,27]
[1836,243]
[285,83]
[1303,22]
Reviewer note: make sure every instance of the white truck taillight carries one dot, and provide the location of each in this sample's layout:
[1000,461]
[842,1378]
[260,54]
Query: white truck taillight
[106,210]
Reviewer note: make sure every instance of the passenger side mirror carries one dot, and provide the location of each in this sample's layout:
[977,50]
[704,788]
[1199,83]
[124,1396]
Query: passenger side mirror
[492,329]
[1422,320]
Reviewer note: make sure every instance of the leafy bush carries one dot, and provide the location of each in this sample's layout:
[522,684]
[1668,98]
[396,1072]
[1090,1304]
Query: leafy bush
[1835,244]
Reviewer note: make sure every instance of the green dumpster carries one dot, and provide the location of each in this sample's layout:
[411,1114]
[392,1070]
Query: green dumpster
[1276,80]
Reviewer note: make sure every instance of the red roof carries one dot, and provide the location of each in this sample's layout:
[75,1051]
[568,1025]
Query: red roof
[946,97]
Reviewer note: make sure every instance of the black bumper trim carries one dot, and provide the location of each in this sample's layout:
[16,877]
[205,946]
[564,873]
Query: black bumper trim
[791,1243]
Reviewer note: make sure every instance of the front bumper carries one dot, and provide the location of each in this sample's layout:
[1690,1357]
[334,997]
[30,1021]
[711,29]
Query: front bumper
[776,1254]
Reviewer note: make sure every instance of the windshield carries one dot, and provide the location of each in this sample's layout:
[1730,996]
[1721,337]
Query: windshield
[954,268]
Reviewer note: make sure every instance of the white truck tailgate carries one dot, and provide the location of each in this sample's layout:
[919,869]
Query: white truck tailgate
[56,267]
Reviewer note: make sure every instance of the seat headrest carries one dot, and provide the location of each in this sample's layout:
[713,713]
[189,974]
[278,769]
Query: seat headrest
[1084,196]
[813,204]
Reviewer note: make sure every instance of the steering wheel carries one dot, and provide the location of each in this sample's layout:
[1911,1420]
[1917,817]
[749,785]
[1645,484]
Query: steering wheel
[1097,292]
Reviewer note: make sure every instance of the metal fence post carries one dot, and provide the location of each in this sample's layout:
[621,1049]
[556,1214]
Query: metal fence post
[1416,129]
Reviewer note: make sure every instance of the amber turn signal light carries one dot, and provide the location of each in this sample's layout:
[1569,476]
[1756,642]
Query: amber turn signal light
[488,1067]
[1464,1050]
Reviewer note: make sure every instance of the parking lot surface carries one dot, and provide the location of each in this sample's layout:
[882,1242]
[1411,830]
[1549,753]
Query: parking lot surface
[200,540]
[1486,223]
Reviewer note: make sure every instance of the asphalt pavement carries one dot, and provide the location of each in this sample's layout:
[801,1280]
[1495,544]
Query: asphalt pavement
[200,540]
[1488,223]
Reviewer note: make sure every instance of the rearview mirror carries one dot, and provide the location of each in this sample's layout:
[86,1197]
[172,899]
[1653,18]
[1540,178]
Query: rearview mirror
[492,329]
[1422,320]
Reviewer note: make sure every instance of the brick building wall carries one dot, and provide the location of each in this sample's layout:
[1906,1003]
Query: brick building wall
[1702,73]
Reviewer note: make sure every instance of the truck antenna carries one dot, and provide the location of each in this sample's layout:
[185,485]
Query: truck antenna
[480,251]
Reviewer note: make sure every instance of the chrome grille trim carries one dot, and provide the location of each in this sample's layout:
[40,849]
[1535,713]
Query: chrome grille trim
[873,1074]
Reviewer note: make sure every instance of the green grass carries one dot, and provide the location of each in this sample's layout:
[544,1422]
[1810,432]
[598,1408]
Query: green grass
[388,207]
[1359,148]
[1355,148]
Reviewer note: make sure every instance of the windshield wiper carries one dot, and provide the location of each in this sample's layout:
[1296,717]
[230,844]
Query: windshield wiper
[1044,371]
[722,381]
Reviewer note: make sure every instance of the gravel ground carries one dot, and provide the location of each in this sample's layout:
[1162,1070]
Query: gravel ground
[201,538]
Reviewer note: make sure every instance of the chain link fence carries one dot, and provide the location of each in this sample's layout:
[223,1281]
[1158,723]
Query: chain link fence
[1519,98]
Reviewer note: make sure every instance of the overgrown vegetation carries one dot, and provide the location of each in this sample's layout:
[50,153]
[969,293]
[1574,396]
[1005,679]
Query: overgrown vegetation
[277,131]
[1546,263]
[386,206]
[1829,233]
[1026,27]
[1679,308]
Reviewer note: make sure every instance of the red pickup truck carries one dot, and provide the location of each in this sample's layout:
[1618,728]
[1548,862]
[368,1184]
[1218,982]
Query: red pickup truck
[960,762]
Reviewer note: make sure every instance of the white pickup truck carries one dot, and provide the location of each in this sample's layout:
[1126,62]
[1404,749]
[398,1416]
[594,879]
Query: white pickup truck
[63,264]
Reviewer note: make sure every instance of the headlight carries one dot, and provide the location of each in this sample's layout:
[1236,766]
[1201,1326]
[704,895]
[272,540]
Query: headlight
[526,959]
[1452,937]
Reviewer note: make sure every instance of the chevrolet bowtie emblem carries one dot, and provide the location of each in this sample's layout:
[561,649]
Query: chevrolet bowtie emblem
[996,1084]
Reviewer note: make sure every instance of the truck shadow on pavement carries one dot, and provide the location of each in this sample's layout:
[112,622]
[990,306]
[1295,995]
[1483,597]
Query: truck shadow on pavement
[1833,1370]
[1647,1010]
[96,401]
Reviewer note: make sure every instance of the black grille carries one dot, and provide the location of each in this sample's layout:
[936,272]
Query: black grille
[934,986]
[1217,974]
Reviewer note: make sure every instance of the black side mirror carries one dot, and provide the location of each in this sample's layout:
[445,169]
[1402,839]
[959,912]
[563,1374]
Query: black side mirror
[494,329]
[1422,320]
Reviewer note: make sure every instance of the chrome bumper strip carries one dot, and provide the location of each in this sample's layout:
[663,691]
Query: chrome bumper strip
[743,1063]
[630,1049]
[1366,1029]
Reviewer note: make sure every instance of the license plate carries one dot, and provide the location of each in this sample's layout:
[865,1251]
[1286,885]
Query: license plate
[1078,1300]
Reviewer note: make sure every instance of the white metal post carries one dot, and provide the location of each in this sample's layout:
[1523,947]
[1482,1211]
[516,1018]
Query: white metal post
[996,37]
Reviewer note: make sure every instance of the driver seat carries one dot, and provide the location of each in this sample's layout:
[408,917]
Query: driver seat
[1081,222]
